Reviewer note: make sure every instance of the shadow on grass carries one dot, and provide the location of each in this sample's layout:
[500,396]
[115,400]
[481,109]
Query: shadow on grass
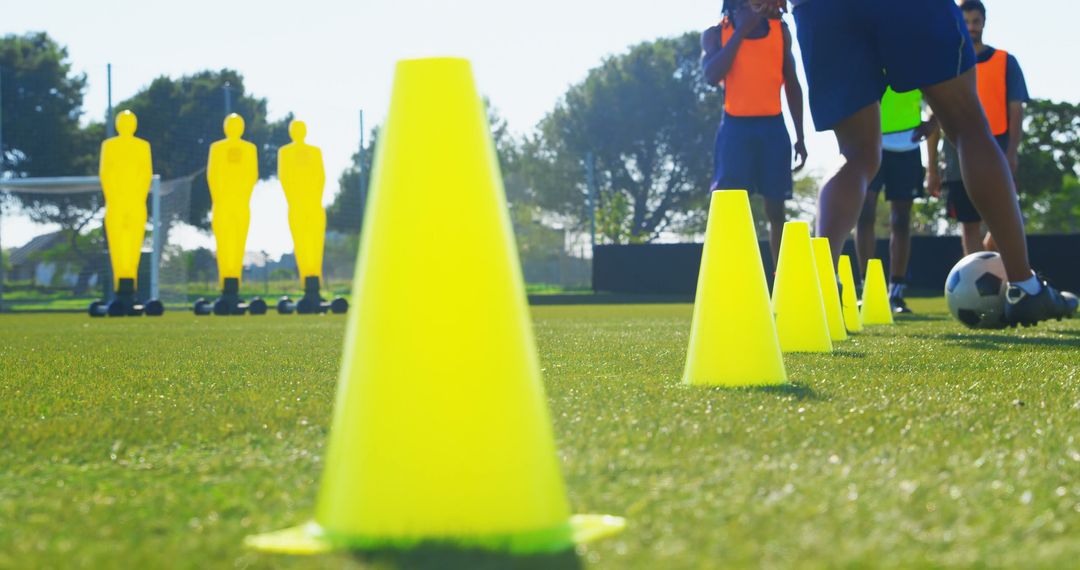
[848,354]
[994,341]
[447,558]
[797,391]
[920,318]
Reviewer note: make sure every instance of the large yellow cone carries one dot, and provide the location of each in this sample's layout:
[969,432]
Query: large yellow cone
[797,302]
[848,299]
[876,309]
[829,291]
[733,338]
[441,432]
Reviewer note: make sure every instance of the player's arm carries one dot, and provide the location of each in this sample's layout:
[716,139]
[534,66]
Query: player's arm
[1016,132]
[793,91]
[933,173]
[718,58]
[1017,93]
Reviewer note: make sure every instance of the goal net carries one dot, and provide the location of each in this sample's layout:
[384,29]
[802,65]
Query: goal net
[55,255]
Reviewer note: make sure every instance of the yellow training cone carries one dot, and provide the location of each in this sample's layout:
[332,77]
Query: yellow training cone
[848,299]
[441,431]
[876,309]
[797,302]
[733,338]
[830,294]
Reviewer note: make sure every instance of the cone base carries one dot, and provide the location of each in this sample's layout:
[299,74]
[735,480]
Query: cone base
[311,539]
[731,382]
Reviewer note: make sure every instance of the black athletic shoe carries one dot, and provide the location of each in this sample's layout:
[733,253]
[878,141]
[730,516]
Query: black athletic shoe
[1027,310]
[899,306]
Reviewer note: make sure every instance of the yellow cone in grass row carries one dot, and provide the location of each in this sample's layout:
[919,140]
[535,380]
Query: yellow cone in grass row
[829,292]
[876,309]
[797,302]
[733,338]
[441,431]
[849,301]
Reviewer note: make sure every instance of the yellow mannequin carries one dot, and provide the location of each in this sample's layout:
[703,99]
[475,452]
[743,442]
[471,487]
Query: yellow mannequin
[232,170]
[300,169]
[126,171]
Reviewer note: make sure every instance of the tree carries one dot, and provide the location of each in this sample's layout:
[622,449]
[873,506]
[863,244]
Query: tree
[648,119]
[1050,154]
[42,105]
[345,214]
[182,117]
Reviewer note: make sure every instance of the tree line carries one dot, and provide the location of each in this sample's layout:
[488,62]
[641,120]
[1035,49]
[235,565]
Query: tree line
[640,126]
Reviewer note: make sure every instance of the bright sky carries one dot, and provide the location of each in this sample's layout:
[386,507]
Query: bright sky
[326,60]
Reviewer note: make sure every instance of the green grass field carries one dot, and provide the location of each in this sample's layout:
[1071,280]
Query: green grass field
[142,443]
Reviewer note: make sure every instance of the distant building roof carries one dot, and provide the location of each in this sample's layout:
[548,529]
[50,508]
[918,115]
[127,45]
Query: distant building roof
[42,242]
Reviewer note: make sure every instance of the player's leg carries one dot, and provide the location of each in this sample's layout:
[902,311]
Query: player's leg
[843,74]
[905,183]
[986,174]
[865,229]
[899,252]
[775,212]
[971,237]
[773,175]
[941,63]
[842,196]
[991,189]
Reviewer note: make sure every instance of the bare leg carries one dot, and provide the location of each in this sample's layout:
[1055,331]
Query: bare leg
[774,211]
[989,243]
[972,237]
[986,174]
[865,238]
[841,199]
[900,238]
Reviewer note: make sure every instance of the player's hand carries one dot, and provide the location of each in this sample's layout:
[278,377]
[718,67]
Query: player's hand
[800,155]
[711,40]
[1014,162]
[772,8]
[924,130]
[747,19]
[933,182]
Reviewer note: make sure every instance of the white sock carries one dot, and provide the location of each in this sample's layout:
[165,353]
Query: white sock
[1031,286]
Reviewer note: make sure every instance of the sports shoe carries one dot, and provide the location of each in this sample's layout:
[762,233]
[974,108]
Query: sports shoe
[899,306]
[1024,309]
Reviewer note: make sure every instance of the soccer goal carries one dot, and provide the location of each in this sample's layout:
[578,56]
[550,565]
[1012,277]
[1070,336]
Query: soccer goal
[55,253]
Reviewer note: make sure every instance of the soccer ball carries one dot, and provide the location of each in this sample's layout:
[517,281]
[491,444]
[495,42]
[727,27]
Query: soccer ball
[975,290]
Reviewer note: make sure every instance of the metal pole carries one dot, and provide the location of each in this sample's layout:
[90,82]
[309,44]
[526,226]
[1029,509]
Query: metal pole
[590,179]
[228,98]
[109,127]
[155,253]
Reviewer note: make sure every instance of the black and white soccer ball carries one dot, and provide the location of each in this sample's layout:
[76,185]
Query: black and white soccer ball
[975,290]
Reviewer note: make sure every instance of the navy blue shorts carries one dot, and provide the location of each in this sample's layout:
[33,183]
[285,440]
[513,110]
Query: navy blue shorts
[754,154]
[853,49]
[901,175]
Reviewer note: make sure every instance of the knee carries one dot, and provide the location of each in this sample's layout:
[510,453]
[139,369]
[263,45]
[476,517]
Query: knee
[864,160]
[901,221]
